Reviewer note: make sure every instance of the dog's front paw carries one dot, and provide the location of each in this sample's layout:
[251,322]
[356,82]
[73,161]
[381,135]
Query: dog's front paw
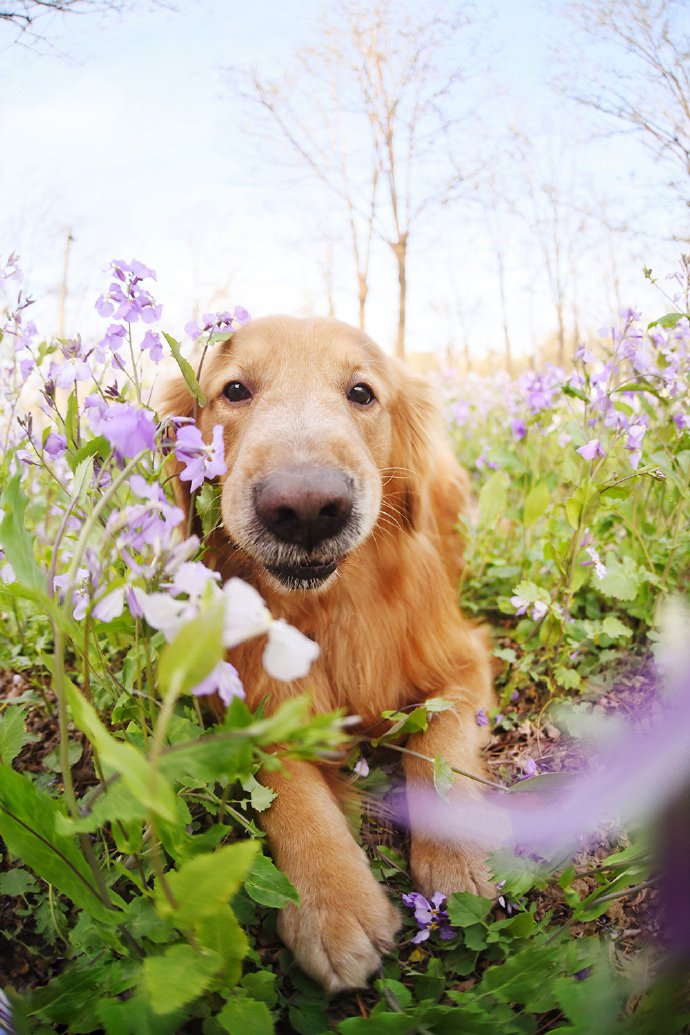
[340,929]
[448,868]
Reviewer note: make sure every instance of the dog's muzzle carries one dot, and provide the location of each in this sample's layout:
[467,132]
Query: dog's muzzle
[306,512]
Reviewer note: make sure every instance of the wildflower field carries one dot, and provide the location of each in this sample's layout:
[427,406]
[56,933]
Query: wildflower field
[135,892]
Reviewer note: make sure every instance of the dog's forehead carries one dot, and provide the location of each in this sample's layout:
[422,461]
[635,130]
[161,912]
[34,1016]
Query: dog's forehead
[291,343]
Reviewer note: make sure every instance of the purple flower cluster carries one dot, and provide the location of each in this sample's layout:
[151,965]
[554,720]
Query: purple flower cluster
[430,916]
[218,323]
[126,299]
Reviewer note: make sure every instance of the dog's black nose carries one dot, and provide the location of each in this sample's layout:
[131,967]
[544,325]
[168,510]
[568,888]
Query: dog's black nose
[304,505]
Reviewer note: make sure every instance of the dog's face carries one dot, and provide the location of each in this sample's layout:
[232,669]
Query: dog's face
[309,410]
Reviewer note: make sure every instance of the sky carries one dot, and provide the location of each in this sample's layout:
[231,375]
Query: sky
[121,130]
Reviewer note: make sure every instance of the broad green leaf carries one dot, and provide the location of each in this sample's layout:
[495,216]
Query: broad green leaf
[178,976]
[185,369]
[219,932]
[537,501]
[28,827]
[242,1015]
[72,421]
[150,788]
[268,885]
[621,580]
[98,446]
[16,539]
[13,735]
[465,909]
[205,882]
[493,499]
[134,1014]
[443,776]
[616,629]
[438,704]
[193,653]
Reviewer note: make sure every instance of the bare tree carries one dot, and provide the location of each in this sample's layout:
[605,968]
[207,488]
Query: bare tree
[372,111]
[642,79]
[23,14]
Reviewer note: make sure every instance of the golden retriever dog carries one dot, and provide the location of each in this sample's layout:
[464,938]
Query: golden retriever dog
[339,506]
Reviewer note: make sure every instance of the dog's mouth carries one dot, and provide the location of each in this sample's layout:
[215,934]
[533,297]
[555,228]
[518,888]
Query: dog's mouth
[307,575]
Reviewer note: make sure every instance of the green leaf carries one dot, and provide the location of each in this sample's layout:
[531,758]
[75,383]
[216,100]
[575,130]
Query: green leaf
[13,735]
[28,827]
[16,539]
[178,976]
[134,1014]
[668,320]
[536,503]
[83,476]
[261,797]
[185,369]
[444,777]
[465,909]
[150,788]
[72,421]
[194,652]
[98,446]
[242,1015]
[205,882]
[621,581]
[219,932]
[268,885]
[208,507]
[493,500]
[616,629]
[17,882]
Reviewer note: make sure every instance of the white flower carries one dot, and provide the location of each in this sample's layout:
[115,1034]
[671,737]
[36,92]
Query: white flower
[110,606]
[192,577]
[539,609]
[246,615]
[164,612]
[289,653]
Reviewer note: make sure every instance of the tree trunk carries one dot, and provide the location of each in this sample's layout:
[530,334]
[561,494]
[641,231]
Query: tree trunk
[400,252]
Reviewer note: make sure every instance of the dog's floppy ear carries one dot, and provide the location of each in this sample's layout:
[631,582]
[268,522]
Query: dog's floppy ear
[414,417]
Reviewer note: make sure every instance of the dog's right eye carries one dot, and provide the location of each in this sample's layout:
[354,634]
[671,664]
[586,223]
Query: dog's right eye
[235,392]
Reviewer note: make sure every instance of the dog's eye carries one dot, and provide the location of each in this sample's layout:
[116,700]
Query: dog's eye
[235,392]
[361,394]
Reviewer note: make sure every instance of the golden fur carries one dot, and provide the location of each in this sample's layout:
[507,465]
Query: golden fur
[387,620]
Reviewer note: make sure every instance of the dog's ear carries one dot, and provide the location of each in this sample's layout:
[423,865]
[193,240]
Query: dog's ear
[414,418]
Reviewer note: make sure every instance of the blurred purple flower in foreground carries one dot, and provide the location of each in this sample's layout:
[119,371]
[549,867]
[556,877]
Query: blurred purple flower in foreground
[129,430]
[430,916]
[591,449]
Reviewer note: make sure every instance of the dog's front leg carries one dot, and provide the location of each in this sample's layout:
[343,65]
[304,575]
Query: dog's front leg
[438,864]
[344,920]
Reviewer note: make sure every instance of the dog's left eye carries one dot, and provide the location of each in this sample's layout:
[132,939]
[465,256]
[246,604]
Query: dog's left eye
[235,391]
[361,394]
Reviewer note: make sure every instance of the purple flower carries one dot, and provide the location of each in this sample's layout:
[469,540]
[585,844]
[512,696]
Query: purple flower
[72,370]
[218,323]
[591,449]
[681,421]
[481,718]
[223,680]
[55,445]
[201,460]
[529,768]
[151,343]
[129,430]
[113,337]
[430,916]
[361,766]
[146,523]
[519,428]
[126,299]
